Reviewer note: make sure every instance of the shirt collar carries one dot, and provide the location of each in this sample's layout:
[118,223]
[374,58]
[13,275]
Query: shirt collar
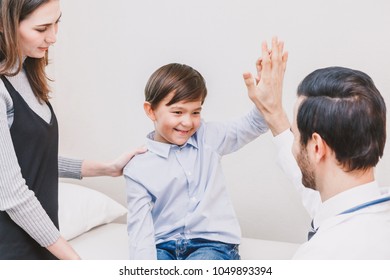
[346,200]
[163,149]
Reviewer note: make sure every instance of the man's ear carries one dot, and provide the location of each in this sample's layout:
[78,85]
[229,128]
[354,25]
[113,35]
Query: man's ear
[319,147]
[149,111]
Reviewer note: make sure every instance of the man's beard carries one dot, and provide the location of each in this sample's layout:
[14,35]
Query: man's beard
[308,178]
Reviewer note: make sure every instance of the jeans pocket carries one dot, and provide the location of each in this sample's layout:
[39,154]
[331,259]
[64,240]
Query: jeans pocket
[234,252]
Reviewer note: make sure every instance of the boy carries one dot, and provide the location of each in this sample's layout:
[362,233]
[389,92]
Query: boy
[178,203]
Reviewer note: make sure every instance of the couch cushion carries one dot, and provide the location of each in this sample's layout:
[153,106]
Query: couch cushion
[259,249]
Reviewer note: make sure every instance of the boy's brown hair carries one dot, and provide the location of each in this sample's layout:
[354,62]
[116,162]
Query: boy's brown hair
[186,83]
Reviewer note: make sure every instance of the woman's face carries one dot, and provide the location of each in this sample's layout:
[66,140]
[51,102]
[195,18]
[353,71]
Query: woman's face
[39,29]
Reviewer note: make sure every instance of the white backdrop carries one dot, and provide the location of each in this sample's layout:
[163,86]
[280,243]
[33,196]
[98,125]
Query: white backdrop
[106,51]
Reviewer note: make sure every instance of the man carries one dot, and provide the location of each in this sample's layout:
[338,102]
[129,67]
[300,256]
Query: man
[339,134]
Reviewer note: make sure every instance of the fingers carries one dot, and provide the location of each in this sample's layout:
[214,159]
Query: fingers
[265,53]
[250,85]
[128,156]
[281,47]
[275,49]
[266,60]
[278,57]
[272,62]
[248,79]
[140,150]
[284,59]
[259,67]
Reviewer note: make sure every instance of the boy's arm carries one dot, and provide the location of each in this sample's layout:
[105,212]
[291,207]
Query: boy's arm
[140,227]
[228,137]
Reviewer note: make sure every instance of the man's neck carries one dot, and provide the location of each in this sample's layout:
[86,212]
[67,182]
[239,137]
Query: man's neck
[339,181]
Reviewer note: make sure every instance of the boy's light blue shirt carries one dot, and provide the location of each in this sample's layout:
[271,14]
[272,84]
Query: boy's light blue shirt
[176,192]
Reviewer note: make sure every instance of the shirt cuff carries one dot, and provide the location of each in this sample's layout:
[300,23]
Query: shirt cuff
[283,139]
[69,168]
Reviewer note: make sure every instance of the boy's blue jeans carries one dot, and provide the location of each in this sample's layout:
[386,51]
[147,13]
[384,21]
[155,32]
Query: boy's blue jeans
[196,249]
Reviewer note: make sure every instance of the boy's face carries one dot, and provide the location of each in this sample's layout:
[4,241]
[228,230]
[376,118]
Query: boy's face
[175,123]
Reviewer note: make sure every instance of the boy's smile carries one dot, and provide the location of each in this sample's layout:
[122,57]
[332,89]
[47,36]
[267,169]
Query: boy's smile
[175,123]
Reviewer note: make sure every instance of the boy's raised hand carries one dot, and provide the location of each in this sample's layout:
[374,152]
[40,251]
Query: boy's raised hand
[265,90]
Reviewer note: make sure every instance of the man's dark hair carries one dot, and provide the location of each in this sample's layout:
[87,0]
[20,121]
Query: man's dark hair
[347,110]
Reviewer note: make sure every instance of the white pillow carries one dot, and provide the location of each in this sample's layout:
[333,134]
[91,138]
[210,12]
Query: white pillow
[81,208]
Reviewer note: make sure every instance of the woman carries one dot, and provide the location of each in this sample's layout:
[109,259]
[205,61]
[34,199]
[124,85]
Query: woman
[29,162]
